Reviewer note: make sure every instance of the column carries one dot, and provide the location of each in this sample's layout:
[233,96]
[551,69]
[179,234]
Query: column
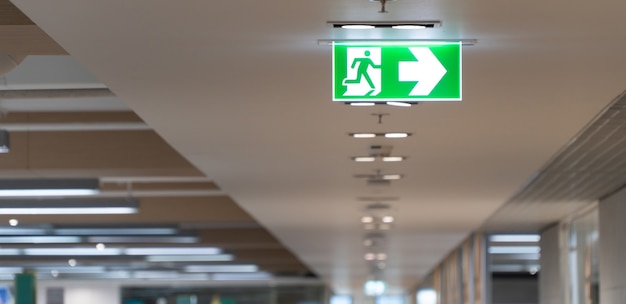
[613,248]
[551,289]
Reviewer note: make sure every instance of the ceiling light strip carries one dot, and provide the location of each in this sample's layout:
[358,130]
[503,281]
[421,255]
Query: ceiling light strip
[464,42]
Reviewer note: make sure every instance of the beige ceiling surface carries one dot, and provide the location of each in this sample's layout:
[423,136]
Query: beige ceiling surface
[242,90]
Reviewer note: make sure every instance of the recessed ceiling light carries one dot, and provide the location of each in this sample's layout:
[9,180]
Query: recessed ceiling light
[190,258]
[364,159]
[357,26]
[388,219]
[514,249]
[387,135]
[396,135]
[172,251]
[374,287]
[90,251]
[70,206]
[71,262]
[515,238]
[363,135]
[392,176]
[408,27]
[381,256]
[48,187]
[367,219]
[414,25]
[370,256]
[13,222]
[100,246]
[393,158]
[39,239]
[221,268]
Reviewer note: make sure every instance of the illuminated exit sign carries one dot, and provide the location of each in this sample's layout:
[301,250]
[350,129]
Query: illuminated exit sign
[397,71]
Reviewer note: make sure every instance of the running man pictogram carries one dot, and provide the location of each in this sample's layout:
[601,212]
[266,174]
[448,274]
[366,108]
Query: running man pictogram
[363,77]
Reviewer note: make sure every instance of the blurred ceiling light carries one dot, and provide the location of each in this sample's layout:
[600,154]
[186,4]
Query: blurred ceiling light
[190,258]
[70,206]
[172,250]
[49,187]
[114,231]
[221,268]
[39,239]
[515,238]
[388,219]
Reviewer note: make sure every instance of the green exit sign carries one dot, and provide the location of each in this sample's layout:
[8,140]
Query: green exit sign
[397,71]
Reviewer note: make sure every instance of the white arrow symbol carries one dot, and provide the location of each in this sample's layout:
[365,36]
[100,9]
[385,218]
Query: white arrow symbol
[427,71]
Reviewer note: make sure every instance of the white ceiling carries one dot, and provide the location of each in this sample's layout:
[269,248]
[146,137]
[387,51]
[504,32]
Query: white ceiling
[242,89]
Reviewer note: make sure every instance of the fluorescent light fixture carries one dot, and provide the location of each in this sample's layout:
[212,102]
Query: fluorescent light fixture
[115,231]
[362,104]
[48,187]
[241,276]
[340,299]
[393,158]
[388,219]
[426,296]
[386,135]
[367,159]
[143,239]
[221,268]
[12,270]
[374,287]
[408,27]
[190,258]
[172,251]
[514,249]
[364,159]
[71,269]
[90,251]
[415,25]
[70,206]
[39,239]
[396,135]
[357,26]
[363,135]
[9,251]
[392,176]
[21,231]
[399,104]
[4,141]
[515,238]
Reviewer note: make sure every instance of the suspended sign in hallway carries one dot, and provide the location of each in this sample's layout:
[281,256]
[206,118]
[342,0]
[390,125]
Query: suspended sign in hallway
[396,71]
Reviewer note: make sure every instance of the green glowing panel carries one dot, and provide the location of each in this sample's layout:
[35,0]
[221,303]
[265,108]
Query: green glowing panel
[397,71]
